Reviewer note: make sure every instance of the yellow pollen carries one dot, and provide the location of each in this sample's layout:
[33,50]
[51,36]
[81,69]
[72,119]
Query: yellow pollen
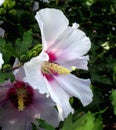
[52,68]
[21,103]
[73,68]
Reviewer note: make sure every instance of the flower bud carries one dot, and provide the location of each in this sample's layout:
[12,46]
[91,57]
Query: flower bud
[6,68]
[23,58]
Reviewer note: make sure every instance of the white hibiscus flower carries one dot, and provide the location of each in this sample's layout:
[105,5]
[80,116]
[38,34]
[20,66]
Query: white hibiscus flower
[64,48]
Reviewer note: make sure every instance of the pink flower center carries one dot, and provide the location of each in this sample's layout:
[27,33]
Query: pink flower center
[21,95]
[52,56]
[51,68]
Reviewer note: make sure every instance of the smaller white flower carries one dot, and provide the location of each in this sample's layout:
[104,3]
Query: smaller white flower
[1,60]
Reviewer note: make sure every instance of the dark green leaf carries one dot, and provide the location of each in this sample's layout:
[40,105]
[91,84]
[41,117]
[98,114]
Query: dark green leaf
[68,123]
[113,97]
[23,45]
[45,125]
[27,41]
[7,48]
[6,76]
[34,127]
[87,121]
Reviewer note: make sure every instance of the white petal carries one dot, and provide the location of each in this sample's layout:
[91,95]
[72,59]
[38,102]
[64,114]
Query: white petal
[33,72]
[73,43]
[52,23]
[60,97]
[79,88]
[35,78]
[18,73]
[79,63]
[1,60]
[2,31]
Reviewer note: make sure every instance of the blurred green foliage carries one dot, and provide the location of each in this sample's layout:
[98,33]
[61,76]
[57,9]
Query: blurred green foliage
[113,97]
[86,121]
[97,18]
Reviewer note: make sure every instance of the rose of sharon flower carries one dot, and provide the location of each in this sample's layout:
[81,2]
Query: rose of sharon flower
[20,104]
[64,49]
[1,60]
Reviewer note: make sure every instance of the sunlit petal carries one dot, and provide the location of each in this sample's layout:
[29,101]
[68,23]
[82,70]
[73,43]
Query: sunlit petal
[77,87]
[52,23]
[1,60]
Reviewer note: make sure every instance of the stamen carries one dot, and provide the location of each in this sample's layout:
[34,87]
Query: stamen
[21,95]
[21,105]
[52,68]
[73,68]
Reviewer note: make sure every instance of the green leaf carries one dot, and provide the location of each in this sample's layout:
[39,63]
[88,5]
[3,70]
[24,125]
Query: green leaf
[18,46]
[34,127]
[7,48]
[6,76]
[27,40]
[113,98]
[22,45]
[2,43]
[10,50]
[87,121]
[45,125]
[68,123]
[114,74]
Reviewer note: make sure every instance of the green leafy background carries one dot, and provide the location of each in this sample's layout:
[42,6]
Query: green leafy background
[97,18]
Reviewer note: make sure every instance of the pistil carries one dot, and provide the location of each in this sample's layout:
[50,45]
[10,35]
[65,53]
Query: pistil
[52,68]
